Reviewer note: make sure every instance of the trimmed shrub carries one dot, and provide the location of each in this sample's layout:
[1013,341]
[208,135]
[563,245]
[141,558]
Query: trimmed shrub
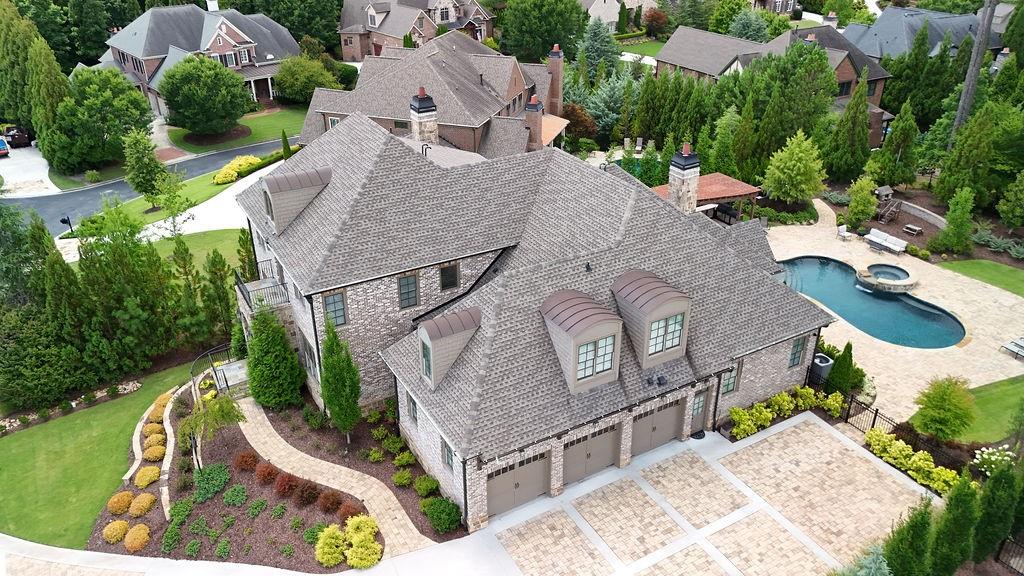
[349,509]
[192,548]
[761,415]
[223,548]
[266,473]
[120,502]
[142,504]
[742,423]
[285,485]
[146,476]
[782,404]
[246,461]
[425,503]
[155,416]
[184,482]
[832,404]
[278,512]
[287,550]
[136,538]
[329,501]
[210,480]
[115,531]
[380,433]
[402,478]
[297,524]
[155,440]
[918,465]
[393,444]
[425,485]
[364,555]
[444,515]
[225,176]
[154,453]
[171,539]
[150,429]
[236,495]
[404,459]
[306,493]
[805,398]
[256,508]
[330,547]
[375,455]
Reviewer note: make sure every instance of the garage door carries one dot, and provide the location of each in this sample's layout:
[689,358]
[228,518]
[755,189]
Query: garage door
[517,483]
[656,427]
[588,454]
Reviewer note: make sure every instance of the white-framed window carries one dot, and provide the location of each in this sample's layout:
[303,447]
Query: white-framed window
[229,59]
[665,334]
[333,122]
[413,408]
[334,309]
[444,14]
[447,455]
[373,19]
[595,357]
[796,354]
[220,41]
[243,56]
[425,353]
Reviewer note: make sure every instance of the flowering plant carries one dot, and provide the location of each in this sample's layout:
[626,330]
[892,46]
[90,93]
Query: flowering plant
[989,459]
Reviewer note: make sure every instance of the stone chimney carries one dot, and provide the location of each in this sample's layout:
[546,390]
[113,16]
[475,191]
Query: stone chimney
[556,62]
[212,5]
[423,117]
[534,123]
[830,20]
[683,176]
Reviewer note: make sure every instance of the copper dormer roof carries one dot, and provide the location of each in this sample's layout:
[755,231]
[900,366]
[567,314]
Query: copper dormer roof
[573,311]
[644,290]
[454,323]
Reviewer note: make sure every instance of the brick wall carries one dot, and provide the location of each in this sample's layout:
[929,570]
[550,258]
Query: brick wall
[424,440]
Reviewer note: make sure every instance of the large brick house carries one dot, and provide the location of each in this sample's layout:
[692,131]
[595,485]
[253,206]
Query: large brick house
[368,27]
[251,45]
[893,33]
[482,97]
[710,56]
[537,317]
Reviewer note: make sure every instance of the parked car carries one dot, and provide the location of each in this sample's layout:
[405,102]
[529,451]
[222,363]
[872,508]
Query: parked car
[4,151]
[17,136]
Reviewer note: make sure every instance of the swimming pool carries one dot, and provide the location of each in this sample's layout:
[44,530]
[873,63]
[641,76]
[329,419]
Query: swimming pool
[897,318]
[888,272]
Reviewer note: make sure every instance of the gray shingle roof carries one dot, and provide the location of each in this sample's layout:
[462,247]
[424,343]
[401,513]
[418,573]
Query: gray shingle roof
[353,12]
[323,99]
[504,136]
[174,55]
[537,74]
[829,37]
[506,390]
[706,52]
[893,32]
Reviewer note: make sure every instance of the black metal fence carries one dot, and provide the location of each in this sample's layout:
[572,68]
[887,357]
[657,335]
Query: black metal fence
[269,295]
[1011,555]
[210,360]
[265,268]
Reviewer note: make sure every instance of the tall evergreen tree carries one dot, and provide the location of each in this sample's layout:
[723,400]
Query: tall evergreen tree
[247,256]
[906,71]
[622,24]
[51,20]
[142,168]
[725,134]
[969,162]
[275,375]
[339,383]
[745,145]
[16,36]
[191,324]
[217,306]
[667,152]
[896,162]
[956,236]
[907,547]
[934,82]
[648,110]
[1013,38]
[650,166]
[997,505]
[774,126]
[1007,80]
[14,258]
[65,310]
[47,87]
[953,539]
[88,19]
[531,27]
[705,150]
[848,149]
[749,26]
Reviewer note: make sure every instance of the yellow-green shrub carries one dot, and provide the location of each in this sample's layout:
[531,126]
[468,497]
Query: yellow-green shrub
[782,404]
[154,453]
[919,465]
[742,424]
[142,504]
[155,440]
[209,395]
[762,415]
[364,554]
[360,527]
[225,176]
[805,398]
[146,476]
[136,538]
[330,546]
[152,428]
[229,173]
[832,403]
[156,416]
[115,531]
[119,503]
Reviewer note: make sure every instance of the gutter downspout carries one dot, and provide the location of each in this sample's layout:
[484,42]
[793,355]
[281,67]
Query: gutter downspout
[718,394]
[316,334]
[465,496]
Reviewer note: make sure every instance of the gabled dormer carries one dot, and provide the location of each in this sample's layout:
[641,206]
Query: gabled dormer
[286,194]
[376,12]
[442,340]
[587,338]
[657,316]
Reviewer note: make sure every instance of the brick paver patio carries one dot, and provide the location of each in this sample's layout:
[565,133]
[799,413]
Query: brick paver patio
[695,489]
[553,544]
[627,519]
[838,498]
[760,546]
[691,560]
[18,565]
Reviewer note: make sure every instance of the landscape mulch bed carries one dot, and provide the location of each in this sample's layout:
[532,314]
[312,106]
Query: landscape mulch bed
[253,541]
[330,445]
[239,131]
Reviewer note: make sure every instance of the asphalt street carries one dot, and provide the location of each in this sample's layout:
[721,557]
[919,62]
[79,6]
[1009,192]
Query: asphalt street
[86,201]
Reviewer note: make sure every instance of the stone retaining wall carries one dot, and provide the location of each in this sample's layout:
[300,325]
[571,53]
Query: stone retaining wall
[924,214]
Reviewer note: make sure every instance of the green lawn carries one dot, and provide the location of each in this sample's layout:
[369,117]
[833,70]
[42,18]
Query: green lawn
[649,48]
[198,189]
[202,243]
[805,24]
[995,403]
[57,476]
[70,182]
[264,127]
[1000,275]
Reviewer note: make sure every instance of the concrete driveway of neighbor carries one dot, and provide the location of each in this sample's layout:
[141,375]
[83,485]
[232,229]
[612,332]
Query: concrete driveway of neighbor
[991,317]
[26,173]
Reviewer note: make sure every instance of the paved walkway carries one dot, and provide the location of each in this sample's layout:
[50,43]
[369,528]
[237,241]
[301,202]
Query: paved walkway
[400,535]
[990,315]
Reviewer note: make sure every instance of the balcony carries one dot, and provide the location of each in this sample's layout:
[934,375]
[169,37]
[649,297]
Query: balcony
[265,291]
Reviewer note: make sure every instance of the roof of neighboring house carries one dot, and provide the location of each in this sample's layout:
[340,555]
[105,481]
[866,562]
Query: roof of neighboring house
[190,28]
[174,55]
[715,186]
[893,32]
[397,21]
[829,37]
[705,52]
[353,12]
[587,228]
[504,136]
[1001,18]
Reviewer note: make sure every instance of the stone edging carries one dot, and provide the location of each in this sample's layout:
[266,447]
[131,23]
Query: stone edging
[136,446]
[165,495]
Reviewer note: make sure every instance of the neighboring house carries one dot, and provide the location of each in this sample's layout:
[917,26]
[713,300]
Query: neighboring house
[893,32]
[529,310]
[1001,17]
[778,6]
[606,11]
[368,27]
[708,55]
[481,96]
[251,45]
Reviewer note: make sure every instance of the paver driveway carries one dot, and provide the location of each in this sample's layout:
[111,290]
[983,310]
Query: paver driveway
[798,499]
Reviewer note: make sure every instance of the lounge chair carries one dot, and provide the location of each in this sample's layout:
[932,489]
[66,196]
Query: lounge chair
[1016,348]
[843,234]
[639,146]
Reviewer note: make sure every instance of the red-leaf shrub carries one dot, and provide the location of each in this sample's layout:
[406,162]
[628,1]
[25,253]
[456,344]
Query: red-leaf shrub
[329,501]
[348,509]
[246,461]
[307,493]
[285,484]
[266,473]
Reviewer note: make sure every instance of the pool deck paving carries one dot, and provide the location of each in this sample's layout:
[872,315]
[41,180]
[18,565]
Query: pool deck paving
[991,317]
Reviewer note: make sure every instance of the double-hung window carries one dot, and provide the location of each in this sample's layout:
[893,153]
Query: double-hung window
[244,56]
[413,408]
[665,334]
[729,381]
[408,291]
[334,309]
[447,454]
[844,88]
[444,14]
[449,276]
[595,357]
[425,352]
[373,20]
[796,354]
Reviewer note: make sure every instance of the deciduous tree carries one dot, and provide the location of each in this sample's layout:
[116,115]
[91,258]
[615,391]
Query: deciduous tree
[896,162]
[142,168]
[725,12]
[299,76]
[655,21]
[204,96]
[1011,206]
[88,19]
[863,202]
[945,408]
[209,417]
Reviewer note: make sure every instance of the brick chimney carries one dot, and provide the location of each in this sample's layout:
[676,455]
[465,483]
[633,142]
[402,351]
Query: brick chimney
[810,39]
[556,63]
[534,121]
[423,117]
[683,176]
[830,20]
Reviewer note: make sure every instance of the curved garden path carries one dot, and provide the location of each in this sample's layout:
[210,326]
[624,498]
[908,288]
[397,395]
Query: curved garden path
[400,535]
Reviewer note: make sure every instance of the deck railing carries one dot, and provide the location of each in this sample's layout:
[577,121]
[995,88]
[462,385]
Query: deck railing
[269,295]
